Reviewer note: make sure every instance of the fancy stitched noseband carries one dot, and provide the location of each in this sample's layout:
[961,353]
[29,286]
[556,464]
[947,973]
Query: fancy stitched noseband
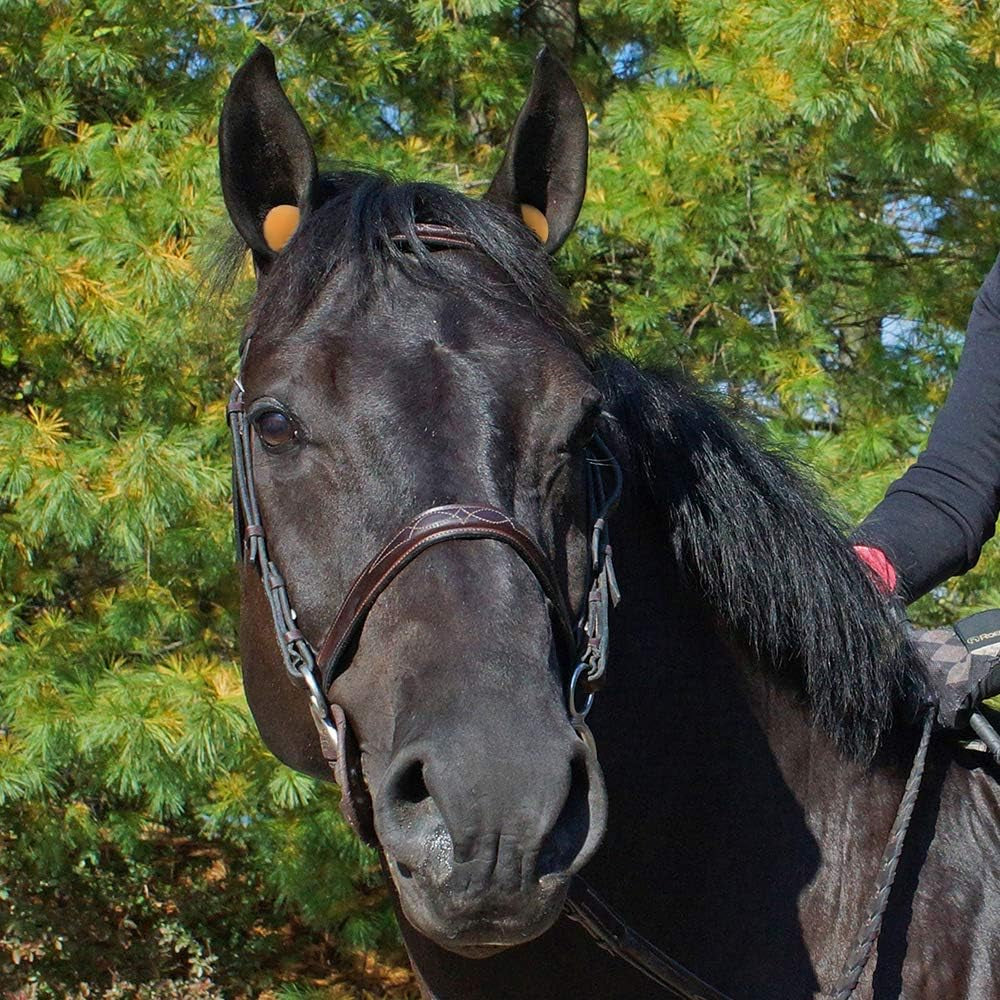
[439,524]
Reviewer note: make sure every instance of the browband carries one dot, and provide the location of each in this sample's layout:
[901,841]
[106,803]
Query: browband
[435,236]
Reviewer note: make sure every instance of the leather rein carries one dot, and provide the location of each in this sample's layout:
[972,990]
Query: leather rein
[583,643]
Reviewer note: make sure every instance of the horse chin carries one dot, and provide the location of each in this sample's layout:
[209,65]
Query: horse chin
[485,925]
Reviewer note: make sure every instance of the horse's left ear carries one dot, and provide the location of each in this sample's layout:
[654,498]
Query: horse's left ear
[543,176]
[266,160]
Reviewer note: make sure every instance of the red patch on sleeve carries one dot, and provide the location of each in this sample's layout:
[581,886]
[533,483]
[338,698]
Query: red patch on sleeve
[877,561]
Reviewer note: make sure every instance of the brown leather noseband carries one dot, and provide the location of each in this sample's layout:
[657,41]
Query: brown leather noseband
[439,524]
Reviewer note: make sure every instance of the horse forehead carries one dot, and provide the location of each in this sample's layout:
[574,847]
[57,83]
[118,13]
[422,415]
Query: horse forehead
[409,336]
[436,339]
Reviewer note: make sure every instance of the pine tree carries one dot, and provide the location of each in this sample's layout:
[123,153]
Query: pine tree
[793,199]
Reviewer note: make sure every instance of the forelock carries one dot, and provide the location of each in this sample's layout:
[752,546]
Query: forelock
[366,225]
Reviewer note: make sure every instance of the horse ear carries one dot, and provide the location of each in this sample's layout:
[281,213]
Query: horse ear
[266,160]
[544,171]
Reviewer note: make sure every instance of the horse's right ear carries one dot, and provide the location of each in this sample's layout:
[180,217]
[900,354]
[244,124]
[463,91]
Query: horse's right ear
[266,160]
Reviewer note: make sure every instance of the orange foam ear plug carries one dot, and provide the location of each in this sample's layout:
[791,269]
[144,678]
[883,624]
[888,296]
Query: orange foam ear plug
[535,221]
[279,225]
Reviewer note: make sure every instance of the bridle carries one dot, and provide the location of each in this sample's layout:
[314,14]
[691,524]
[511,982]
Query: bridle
[316,670]
[583,642]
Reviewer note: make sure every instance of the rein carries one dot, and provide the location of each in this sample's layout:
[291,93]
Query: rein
[586,641]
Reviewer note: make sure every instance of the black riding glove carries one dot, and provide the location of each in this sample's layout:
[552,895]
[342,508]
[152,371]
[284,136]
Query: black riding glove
[963,665]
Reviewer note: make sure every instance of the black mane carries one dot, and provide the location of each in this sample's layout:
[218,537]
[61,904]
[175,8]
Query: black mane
[772,561]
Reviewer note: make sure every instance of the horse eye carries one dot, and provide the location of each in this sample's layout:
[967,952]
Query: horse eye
[275,428]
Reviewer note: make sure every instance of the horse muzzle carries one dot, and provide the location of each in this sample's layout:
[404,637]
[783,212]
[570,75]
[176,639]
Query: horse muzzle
[481,849]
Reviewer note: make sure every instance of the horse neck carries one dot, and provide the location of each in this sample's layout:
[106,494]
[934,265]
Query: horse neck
[735,813]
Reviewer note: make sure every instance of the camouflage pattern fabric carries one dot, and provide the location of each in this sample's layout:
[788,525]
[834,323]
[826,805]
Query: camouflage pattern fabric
[963,665]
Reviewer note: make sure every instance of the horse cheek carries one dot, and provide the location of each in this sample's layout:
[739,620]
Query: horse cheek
[279,708]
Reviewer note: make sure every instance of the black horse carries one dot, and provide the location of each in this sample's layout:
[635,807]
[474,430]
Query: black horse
[407,348]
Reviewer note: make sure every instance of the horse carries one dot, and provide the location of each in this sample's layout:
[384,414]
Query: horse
[426,450]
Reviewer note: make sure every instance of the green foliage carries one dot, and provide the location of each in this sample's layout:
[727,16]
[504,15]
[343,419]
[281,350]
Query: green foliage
[797,201]
[794,199]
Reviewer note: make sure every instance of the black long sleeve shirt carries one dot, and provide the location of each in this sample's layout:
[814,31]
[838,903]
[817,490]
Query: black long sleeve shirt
[937,516]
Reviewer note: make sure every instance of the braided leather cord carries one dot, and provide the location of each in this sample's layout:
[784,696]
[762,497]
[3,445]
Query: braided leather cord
[868,935]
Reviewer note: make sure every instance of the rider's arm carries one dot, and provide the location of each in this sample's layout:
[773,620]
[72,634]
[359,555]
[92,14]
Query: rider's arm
[936,517]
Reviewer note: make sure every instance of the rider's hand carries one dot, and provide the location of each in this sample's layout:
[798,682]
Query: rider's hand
[963,665]
[963,662]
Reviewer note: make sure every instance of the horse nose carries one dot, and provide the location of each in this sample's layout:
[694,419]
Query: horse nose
[563,843]
[406,812]
[488,817]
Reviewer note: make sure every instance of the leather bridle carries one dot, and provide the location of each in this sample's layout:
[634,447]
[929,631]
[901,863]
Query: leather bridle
[583,643]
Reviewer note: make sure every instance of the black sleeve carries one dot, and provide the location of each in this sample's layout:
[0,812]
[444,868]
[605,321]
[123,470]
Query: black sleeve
[937,516]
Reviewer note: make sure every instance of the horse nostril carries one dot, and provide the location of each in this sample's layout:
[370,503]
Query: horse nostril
[408,822]
[564,842]
[410,785]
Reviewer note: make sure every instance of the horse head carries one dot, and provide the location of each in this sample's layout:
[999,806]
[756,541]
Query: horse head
[406,349]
